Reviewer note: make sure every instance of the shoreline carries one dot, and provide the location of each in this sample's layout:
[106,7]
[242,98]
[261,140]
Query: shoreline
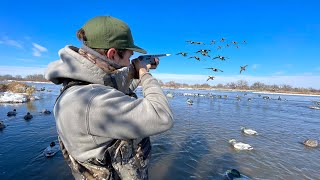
[289,93]
[252,91]
[206,89]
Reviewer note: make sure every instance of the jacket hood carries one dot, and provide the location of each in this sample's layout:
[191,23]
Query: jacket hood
[72,65]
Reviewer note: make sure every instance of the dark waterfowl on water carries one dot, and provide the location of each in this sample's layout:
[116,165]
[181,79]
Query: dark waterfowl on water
[2,125]
[234,174]
[28,116]
[265,97]
[12,113]
[45,111]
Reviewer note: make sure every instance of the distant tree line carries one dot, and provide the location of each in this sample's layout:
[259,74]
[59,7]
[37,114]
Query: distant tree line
[243,85]
[238,85]
[34,77]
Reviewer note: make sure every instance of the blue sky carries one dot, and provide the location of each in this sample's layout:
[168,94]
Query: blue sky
[282,36]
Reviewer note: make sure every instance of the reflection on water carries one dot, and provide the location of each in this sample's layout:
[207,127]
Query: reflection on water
[31,106]
[196,148]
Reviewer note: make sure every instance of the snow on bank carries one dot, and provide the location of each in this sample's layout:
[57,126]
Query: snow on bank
[36,82]
[8,97]
[287,94]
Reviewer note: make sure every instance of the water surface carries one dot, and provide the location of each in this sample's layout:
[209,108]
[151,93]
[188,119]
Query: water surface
[195,148]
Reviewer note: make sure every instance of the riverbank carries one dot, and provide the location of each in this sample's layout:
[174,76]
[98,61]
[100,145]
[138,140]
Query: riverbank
[253,91]
[208,89]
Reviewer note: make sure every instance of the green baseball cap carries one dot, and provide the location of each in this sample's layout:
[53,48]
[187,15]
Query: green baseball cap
[107,32]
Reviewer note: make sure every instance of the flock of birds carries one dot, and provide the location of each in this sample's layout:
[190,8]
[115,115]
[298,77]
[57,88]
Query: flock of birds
[206,53]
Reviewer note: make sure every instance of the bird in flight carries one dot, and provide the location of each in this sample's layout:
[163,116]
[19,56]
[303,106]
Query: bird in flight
[214,69]
[204,50]
[243,68]
[219,47]
[194,42]
[234,42]
[220,57]
[222,39]
[244,42]
[196,57]
[210,78]
[212,42]
[182,53]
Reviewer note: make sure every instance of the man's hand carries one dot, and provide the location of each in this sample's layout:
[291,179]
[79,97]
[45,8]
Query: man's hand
[154,66]
[140,67]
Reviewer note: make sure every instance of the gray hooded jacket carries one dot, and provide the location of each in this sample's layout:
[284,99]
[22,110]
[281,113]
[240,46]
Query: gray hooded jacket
[89,117]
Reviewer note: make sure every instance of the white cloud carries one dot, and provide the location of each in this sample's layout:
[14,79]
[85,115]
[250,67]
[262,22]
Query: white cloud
[36,53]
[38,49]
[305,81]
[25,60]
[20,70]
[6,41]
[255,66]
[278,73]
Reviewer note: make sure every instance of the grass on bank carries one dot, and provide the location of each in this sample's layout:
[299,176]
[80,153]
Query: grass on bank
[17,87]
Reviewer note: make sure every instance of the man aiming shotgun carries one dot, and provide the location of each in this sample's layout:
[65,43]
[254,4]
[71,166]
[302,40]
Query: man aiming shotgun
[102,133]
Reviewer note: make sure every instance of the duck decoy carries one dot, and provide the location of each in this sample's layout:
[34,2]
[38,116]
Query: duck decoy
[189,101]
[310,143]
[12,113]
[248,131]
[2,125]
[28,116]
[240,145]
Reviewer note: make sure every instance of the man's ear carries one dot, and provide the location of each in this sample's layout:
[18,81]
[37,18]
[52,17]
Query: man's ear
[111,52]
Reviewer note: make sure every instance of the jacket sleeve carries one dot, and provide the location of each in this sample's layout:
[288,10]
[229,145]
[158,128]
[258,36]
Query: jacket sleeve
[114,115]
[135,83]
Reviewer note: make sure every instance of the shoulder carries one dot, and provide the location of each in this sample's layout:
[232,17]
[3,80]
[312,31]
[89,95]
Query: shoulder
[84,92]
